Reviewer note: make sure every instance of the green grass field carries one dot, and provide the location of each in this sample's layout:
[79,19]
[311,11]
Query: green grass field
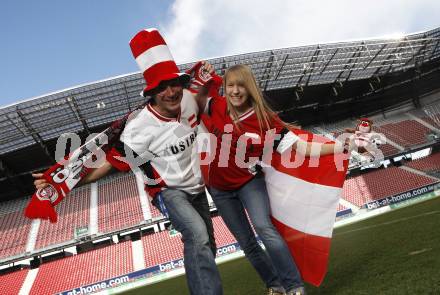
[394,253]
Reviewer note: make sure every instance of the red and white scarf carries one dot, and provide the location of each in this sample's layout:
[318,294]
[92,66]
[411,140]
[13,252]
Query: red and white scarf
[65,175]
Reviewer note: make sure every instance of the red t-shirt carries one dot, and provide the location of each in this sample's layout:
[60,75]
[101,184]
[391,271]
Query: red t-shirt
[229,168]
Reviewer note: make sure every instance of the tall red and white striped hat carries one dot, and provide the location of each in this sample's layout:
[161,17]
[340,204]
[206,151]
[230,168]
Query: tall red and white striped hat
[155,59]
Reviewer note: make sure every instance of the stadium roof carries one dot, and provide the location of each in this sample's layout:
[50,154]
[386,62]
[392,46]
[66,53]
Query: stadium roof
[85,107]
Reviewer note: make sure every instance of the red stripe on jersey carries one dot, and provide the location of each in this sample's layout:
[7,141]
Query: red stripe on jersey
[152,190]
[246,115]
[159,116]
[112,158]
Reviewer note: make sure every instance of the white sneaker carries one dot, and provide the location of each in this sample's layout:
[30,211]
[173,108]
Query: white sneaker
[275,291]
[297,291]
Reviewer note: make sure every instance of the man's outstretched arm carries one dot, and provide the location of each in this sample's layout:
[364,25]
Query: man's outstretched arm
[94,175]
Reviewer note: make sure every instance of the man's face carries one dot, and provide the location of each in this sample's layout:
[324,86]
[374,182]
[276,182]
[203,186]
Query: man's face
[167,97]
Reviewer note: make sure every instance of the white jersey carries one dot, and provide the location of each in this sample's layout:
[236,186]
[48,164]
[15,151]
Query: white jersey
[168,145]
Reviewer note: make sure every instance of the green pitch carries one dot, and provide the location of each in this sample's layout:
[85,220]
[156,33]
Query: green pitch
[394,253]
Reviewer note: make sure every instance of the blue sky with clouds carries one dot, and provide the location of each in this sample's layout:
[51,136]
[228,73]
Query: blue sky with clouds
[49,45]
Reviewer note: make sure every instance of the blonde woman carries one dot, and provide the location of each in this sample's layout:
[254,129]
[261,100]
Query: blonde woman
[240,121]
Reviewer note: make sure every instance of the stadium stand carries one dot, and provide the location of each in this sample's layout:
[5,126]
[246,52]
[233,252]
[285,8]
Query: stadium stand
[424,124]
[222,234]
[11,282]
[430,114]
[13,205]
[82,269]
[341,208]
[381,183]
[162,247]
[433,121]
[14,231]
[119,203]
[398,132]
[334,130]
[354,191]
[73,213]
[155,213]
[388,150]
[167,246]
[428,164]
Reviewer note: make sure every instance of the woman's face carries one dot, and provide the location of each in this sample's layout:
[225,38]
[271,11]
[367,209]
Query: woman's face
[237,94]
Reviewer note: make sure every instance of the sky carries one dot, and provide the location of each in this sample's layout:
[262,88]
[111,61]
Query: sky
[50,45]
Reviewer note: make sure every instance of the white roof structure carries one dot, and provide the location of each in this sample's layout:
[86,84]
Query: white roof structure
[81,108]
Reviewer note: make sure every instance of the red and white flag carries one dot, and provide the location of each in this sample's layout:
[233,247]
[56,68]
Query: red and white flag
[304,200]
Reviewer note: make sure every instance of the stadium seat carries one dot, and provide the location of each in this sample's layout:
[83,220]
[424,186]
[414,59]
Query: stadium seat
[12,282]
[82,269]
[119,203]
[399,132]
[73,213]
[14,232]
[427,164]
[381,183]
[161,248]
[222,234]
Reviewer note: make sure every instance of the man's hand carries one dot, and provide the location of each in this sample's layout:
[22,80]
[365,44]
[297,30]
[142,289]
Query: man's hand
[204,83]
[40,181]
[201,74]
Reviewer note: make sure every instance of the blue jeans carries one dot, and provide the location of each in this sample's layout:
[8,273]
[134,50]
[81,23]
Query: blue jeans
[189,214]
[254,198]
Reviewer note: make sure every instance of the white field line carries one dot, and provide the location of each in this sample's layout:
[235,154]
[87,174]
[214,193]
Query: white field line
[389,222]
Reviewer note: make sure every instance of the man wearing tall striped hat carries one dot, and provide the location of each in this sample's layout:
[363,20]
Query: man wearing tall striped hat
[163,133]
[159,139]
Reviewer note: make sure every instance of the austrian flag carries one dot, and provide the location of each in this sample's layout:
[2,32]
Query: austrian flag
[303,203]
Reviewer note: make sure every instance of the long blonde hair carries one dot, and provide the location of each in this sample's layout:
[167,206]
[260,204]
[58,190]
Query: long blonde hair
[245,77]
